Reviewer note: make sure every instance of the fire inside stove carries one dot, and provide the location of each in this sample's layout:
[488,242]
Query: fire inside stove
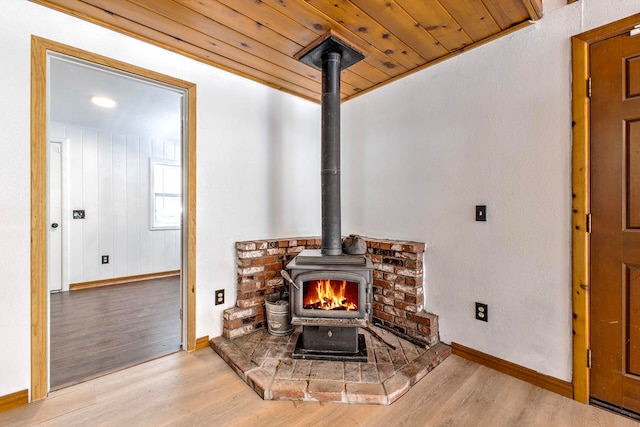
[330,295]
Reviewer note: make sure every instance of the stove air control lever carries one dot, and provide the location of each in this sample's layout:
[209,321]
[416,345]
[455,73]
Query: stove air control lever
[288,278]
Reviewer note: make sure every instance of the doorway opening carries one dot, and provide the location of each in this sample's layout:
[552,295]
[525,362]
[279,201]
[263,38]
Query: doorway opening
[114,267]
[115,215]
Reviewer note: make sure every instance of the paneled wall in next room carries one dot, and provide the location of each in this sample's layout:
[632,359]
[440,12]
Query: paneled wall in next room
[107,175]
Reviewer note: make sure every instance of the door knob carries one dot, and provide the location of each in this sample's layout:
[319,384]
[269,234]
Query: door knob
[54,225]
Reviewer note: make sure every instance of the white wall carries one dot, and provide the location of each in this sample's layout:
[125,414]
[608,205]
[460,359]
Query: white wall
[241,127]
[107,174]
[491,126]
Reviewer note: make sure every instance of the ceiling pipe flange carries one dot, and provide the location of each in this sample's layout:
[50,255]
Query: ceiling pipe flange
[329,42]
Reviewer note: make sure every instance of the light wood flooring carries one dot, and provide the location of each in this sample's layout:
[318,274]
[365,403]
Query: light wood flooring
[101,330]
[200,389]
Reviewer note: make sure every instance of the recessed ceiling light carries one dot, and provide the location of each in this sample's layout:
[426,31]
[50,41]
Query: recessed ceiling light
[103,102]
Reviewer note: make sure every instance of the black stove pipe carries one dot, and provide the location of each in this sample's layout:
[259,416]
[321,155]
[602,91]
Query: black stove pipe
[330,166]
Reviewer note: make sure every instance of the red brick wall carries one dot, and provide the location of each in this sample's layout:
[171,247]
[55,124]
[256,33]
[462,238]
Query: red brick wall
[259,263]
[398,292]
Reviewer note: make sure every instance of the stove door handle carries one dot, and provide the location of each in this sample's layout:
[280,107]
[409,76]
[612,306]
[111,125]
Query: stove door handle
[288,278]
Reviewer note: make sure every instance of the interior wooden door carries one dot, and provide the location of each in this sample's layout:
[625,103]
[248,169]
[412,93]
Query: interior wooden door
[615,209]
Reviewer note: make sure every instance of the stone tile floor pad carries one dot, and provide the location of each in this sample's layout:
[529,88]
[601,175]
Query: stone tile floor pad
[264,362]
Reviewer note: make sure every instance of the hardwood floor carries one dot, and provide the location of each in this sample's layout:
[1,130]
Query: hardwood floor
[101,330]
[193,389]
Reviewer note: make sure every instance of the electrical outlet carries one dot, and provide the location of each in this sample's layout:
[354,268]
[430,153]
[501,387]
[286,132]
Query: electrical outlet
[220,296]
[482,312]
[105,259]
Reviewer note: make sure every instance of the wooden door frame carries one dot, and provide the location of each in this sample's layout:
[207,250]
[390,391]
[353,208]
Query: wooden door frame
[581,176]
[39,292]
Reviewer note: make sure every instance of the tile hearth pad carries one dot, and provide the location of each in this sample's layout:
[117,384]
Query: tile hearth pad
[264,362]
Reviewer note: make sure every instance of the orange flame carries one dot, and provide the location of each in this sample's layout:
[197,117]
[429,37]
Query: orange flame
[331,297]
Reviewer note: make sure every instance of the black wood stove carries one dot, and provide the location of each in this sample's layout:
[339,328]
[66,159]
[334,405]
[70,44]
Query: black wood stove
[330,292]
[330,296]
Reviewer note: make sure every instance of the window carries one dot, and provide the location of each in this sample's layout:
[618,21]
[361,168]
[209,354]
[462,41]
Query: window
[166,195]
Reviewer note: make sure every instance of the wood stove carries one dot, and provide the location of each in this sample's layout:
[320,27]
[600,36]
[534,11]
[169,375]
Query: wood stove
[330,292]
[330,297]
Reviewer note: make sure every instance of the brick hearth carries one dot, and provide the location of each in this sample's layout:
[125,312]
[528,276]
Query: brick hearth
[264,362]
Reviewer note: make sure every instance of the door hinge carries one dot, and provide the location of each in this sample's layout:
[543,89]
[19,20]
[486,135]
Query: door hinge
[180,314]
[588,223]
[589,87]
[589,358]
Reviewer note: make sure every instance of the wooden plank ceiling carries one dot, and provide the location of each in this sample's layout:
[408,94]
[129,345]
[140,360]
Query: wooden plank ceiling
[259,39]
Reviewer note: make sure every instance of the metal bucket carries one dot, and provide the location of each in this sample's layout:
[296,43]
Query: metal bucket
[278,321]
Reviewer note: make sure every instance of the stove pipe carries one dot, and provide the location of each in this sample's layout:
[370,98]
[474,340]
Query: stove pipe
[330,166]
[331,55]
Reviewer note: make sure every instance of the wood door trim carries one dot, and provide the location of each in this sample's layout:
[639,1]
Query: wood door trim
[39,49]
[38,220]
[580,179]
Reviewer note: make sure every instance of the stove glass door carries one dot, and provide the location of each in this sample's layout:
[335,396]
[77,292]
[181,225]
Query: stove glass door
[328,294]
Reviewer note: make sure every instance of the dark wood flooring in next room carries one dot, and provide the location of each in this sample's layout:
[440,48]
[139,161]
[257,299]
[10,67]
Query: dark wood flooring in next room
[102,330]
